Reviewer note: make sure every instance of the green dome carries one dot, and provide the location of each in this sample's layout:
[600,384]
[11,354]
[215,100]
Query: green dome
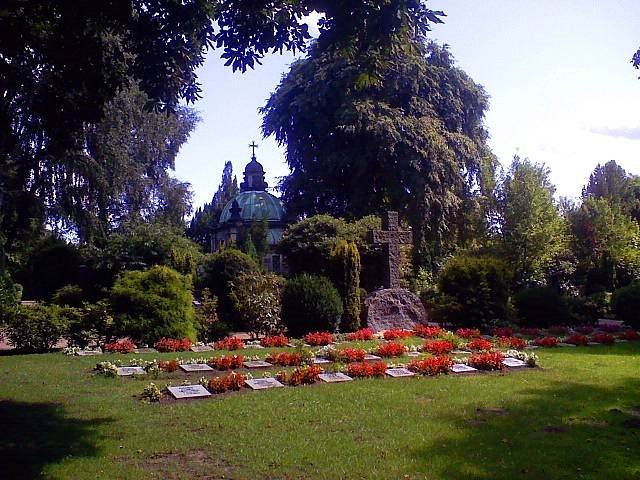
[255,205]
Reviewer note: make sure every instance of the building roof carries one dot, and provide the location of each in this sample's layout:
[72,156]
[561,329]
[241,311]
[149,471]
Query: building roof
[255,205]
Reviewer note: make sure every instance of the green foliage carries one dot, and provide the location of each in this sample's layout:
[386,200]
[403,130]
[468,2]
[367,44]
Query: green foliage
[346,260]
[626,304]
[68,296]
[310,303]
[256,298]
[253,239]
[541,307]
[532,231]
[219,270]
[10,294]
[587,310]
[36,327]
[475,292]
[154,303]
[211,327]
[90,323]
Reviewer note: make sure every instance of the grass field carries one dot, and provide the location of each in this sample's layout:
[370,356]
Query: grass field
[575,418]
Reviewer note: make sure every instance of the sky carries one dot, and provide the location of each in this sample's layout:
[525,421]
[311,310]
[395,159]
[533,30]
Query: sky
[563,91]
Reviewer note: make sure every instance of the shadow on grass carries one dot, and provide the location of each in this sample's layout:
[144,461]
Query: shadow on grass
[561,431]
[35,435]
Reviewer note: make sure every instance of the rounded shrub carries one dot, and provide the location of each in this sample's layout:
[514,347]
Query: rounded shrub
[625,303]
[541,307]
[69,296]
[151,304]
[309,304]
[36,327]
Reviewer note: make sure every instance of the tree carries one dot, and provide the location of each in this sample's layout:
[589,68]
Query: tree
[636,59]
[613,183]
[256,298]
[346,259]
[531,230]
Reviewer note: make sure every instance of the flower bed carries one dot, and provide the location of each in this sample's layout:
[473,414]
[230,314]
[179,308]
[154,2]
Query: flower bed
[391,350]
[318,339]
[486,361]
[366,370]
[438,347]
[300,376]
[274,341]
[122,346]
[512,342]
[285,359]
[396,333]
[229,343]
[468,332]
[425,331]
[349,355]
[503,332]
[546,342]
[629,335]
[585,329]
[558,330]
[231,382]
[577,339]
[168,365]
[480,344]
[226,362]
[431,366]
[360,335]
[173,345]
[605,338]
[529,332]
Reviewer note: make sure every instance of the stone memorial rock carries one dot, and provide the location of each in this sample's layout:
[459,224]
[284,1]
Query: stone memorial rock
[513,362]
[334,377]
[263,383]
[371,358]
[399,372]
[257,364]
[196,367]
[201,348]
[189,391]
[462,368]
[128,371]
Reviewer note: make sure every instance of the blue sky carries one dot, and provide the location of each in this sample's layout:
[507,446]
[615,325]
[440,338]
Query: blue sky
[562,89]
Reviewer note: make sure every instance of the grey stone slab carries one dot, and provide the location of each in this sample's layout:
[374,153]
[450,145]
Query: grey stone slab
[461,352]
[128,371]
[321,361]
[594,343]
[189,391]
[145,350]
[399,372]
[201,348]
[88,353]
[334,377]
[566,345]
[462,368]
[531,347]
[257,364]
[196,367]
[263,383]
[621,340]
[414,354]
[371,358]
[513,362]
[257,345]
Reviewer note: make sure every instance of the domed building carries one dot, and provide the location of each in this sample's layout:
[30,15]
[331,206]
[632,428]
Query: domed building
[251,205]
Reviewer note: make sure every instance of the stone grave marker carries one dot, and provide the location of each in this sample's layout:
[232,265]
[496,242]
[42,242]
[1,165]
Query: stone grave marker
[145,350]
[414,354]
[189,391]
[196,367]
[462,368]
[593,343]
[371,358]
[128,371]
[399,372]
[461,352]
[253,345]
[513,362]
[334,377]
[88,353]
[257,364]
[321,361]
[263,383]
[201,348]
[566,344]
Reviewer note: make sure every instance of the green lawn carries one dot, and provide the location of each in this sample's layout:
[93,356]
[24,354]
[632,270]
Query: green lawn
[572,419]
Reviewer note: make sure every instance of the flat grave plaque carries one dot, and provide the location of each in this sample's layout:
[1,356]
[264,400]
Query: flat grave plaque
[531,347]
[461,352]
[621,340]
[399,372]
[257,364]
[371,358]
[145,350]
[253,345]
[566,345]
[321,361]
[189,391]
[334,377]
[88,353]
[263,383]
[201,348]
[414,354]
[462,368]
[196,367]
[128,371]
[593,343]
[513,362]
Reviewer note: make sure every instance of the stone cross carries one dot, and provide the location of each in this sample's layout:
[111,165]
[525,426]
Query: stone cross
[390,237]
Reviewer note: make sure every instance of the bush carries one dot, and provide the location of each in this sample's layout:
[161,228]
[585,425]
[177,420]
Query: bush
[541,307]
[587,310]
[68,296]
[36,327]
[256,299]
[475,292]
[625,303]
[152,304]
[92,322]
[10,294]
[310,303]
[210,327]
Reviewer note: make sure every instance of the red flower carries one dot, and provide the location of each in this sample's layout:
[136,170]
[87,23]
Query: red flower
[360,335]
[546,342]
[226,362]
[396,333]
[390,350]
[168,365]
[468,332]
[229,343]
[274,341]
[479,344]
[123,346]
[503,332]
[586,329]
[438,347]
[285,359]
[318,338]
[364,370]
[300,376]
[577,339]
[486,361]
[558,330]
[431,366]
[173,345]
[512,342]
[610,328]
[233,381]
[629,335]
[425,331]
[349,355]
[529,332]
[606,338]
